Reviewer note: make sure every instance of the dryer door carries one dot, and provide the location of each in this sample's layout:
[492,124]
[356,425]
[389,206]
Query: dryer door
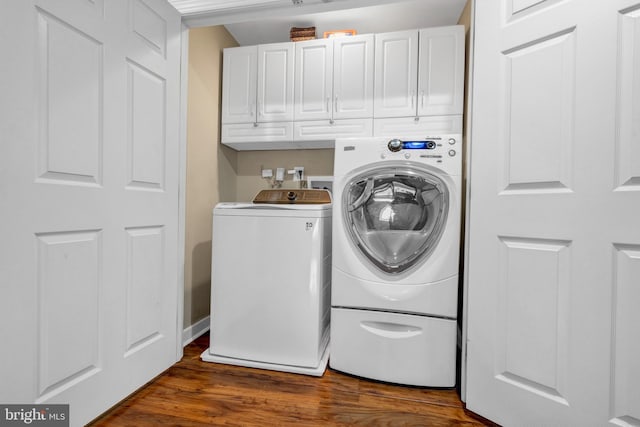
[395,215]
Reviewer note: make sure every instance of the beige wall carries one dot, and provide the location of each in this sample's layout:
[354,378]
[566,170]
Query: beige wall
[465,16]
[211,175]
[216,173]
[250,164]
[465,19]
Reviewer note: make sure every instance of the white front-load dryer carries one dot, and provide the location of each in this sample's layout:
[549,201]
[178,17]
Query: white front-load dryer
[396,243]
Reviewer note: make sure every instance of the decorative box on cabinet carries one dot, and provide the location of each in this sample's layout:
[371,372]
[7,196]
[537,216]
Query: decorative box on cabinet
[419,73]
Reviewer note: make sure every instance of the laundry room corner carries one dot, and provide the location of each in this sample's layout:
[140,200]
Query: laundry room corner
[211,170]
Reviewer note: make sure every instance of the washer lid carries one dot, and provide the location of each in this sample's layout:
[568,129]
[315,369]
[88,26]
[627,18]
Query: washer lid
[264,210]
[295,197]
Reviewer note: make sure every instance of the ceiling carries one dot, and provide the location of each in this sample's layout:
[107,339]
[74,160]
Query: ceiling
[268,21]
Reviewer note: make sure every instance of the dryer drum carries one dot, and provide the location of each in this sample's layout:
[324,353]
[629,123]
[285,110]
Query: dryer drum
[395,217]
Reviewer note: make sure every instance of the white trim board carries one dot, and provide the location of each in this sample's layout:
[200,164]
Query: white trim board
[195,331]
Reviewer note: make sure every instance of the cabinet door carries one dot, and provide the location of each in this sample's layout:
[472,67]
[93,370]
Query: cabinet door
[239,78]
[275,82]
[441,71]
[396,74]
[313,80]
[353,77]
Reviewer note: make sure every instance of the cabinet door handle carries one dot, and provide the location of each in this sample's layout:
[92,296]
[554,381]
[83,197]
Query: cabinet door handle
[413,99]
[260,109]
[335,104]
[328,101]
[422,99]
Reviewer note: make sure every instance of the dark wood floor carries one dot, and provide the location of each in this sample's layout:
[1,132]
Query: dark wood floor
[196,393]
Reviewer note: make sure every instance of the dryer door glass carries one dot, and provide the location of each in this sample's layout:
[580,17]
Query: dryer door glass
[395,216]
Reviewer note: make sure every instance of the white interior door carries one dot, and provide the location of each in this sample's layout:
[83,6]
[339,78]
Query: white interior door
[554,255]
[89,200]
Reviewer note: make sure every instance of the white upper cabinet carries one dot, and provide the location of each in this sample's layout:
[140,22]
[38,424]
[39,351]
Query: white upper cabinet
[441,71]
[334,78]
[419,73]
[396,74]
[314,79]
[239,88]
[275,82]
[353,77]
[258,83]
[309,93]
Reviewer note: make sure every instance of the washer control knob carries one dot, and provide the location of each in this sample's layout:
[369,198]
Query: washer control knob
[291,195]
[383,156]
[394,145]
[452,153]
[407,155]
[452,141]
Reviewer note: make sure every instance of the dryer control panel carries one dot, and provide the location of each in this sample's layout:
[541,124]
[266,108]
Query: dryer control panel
[443,151]
[436,148]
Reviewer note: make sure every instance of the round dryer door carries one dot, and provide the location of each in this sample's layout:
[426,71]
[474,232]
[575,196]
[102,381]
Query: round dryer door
[395,215]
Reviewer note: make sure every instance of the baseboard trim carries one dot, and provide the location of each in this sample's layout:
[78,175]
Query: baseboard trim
[194,331]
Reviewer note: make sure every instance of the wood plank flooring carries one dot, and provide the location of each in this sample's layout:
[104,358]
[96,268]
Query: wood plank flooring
[196,393]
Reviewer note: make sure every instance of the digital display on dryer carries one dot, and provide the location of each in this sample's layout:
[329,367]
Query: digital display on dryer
[418,145]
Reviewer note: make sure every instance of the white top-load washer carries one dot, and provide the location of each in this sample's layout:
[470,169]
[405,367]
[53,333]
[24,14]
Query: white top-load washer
[271,281]
[396,243]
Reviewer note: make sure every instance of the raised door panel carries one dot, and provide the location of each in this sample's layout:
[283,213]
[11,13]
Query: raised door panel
[145,128]
[533,290]
[353,77]
[149,26]
[239,84]
[441,71]
[145,247]
[396,74]
[625,351]
[69,266]
[71,138]
[275,82]
[313,80]
[628,102]
[539,92]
